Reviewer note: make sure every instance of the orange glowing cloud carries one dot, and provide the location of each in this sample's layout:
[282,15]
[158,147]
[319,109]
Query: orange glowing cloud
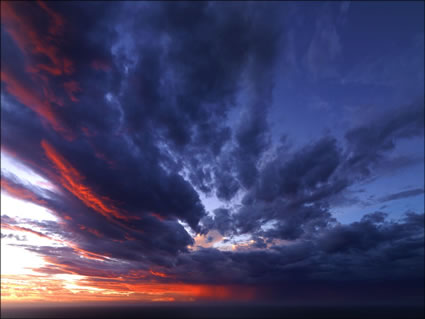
[177,291]
[72,180]
[158,274]
[33,288]
[208,240]
[137,285]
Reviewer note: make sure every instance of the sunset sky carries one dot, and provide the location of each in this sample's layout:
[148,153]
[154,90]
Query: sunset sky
[241,152]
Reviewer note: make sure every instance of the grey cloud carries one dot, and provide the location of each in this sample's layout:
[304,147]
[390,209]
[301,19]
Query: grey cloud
[368,143]
[400,195]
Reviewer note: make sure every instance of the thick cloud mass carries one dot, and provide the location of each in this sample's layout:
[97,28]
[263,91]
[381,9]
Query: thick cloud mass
[136,114]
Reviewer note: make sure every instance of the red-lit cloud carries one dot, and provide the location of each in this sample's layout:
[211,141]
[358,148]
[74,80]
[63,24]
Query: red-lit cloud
[91,230]
[158,274]
[37,47]
[32,42]
[71,88]
[56,27]
[32,99]
[72,180]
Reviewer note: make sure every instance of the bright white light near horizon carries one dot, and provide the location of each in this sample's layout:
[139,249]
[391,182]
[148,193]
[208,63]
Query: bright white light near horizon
[31,238]
[17,208]
[17,260]
[68,277]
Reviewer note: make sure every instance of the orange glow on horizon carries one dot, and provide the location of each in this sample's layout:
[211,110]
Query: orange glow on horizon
[39,288]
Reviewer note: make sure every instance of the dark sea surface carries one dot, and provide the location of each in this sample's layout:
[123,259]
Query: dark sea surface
[211,311]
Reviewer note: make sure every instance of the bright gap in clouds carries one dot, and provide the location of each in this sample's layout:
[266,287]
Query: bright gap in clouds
[18,264]
[23,172]
[16,208]
[18,260]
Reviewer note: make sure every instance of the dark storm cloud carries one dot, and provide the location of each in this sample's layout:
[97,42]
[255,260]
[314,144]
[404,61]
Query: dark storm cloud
[128,133]
[293,193]
[296,190]
[368,143]
[302,173]
[374,248]
[92,155]
[184,86]
[252,141]
[152,96]
[173,104]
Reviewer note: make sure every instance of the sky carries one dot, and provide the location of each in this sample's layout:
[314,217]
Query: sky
[212,151]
